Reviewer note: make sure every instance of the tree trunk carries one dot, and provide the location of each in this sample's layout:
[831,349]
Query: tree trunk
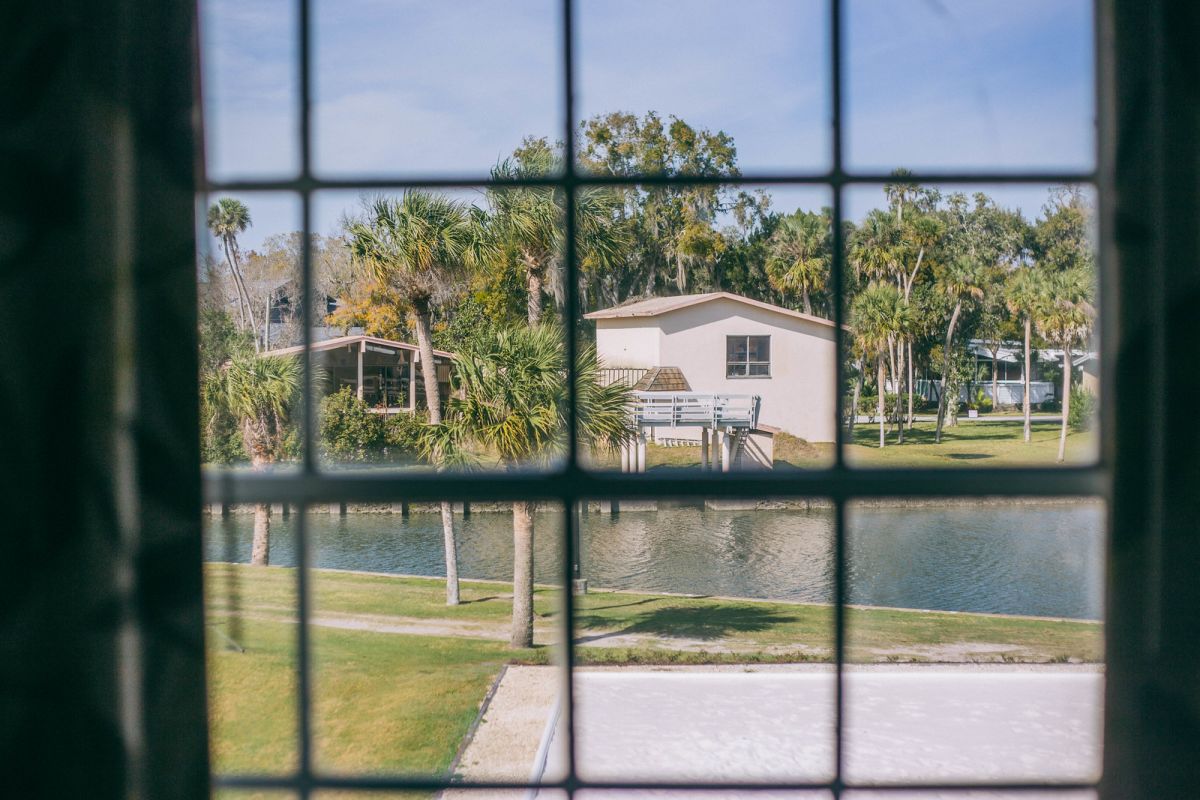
[910,385]
[942,399]
[806,300]
[1066,402]
[451,555]
[533,284]
[433,399]
[522,618]
[260,551]
[880,407]
[858,386]
[995,384]
[1027,400]
[898,412]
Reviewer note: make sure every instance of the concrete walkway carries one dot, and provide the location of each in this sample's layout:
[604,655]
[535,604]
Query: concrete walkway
[933,723]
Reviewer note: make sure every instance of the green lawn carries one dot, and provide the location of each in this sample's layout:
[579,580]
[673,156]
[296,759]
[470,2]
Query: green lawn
[991,443]
[389,701]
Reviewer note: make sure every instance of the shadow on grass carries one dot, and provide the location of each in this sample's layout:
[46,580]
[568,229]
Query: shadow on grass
[708,623]
[968,456]
[1007,430]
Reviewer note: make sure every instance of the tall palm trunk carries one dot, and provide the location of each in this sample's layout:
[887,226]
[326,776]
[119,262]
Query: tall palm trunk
[942,399]
[880,407]
[522,618]
[910,385]
[1066,402]
[260,549]
[433,399]
[533,286]
[995,384]
[898,411]
[1027,399]
[858,387]
[806,300]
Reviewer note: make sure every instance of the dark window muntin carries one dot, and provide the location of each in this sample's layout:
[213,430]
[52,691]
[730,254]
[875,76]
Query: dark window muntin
[571,483]
[748,356]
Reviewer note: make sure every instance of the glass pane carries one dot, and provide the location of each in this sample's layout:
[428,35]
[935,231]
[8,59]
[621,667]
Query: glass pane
[690,306]
[954,295]
[251,88]
[676,593]
[969,795]
[250,631]
[251,375]
[407,681]
[432,89]
[692,75]
[974,84]
[496,271]
[999,602]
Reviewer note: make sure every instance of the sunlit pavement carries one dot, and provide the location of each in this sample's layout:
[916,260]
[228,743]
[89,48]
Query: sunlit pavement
[934,724]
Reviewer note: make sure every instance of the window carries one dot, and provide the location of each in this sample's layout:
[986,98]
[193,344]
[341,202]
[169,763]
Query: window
[747,356]
[569,485]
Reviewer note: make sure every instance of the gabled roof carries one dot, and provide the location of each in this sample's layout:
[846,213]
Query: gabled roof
[343,341]
[656,306]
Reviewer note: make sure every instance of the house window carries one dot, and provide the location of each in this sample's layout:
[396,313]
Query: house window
[747,356]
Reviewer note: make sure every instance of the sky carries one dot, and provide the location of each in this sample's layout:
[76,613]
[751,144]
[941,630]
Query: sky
[448,88]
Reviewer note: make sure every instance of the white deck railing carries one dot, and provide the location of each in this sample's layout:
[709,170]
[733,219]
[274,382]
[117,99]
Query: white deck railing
[695,409]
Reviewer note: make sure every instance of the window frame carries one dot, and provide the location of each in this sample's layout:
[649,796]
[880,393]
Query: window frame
[573,482]
[747,363]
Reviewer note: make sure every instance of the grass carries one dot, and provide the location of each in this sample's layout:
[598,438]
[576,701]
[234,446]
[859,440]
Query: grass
[403,703]
[993,443]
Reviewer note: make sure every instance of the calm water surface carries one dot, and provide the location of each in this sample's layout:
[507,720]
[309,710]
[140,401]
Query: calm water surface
[1044,560]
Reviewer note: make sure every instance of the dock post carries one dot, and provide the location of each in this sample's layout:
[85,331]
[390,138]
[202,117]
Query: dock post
[704,449]
[641,453]
[726,451]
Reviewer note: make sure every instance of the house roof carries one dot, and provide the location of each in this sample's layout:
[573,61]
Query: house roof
[343,341]
[662,305]
[1014,353]
[663,379]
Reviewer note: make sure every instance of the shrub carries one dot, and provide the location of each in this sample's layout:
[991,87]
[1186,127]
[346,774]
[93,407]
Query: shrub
[349,431]
[1049,404]
[402,435]
[1083,409]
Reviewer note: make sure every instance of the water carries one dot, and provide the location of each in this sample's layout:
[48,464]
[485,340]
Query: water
[1043,560]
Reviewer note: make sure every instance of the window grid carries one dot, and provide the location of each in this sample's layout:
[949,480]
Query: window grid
[572,484]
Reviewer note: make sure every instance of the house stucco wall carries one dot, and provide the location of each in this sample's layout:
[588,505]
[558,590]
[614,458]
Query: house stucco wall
[630,342]
[798,397]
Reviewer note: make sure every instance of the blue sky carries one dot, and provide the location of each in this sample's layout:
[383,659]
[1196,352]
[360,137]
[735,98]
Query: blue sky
[440,88]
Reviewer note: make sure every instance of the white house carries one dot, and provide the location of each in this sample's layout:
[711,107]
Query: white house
[731,345]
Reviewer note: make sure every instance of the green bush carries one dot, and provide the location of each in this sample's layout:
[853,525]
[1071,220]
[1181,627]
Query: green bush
[402,434]
[1083,409]
[349,430]
[1049,404]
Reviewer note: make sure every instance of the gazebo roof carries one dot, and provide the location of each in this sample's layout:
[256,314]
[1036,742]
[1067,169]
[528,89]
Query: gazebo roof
[663,379]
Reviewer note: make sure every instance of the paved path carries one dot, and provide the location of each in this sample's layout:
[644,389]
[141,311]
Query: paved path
[935,723]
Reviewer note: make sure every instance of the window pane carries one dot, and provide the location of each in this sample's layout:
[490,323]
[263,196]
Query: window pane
[250,320]
[689,309]
[251,637]
[1007,276]
[251,89]
[674,69]
[404,681]
[431,89]
[696,585]
[970,85]
[1009,639]
[374,399]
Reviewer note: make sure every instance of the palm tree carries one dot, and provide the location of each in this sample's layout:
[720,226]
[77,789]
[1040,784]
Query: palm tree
[1024,294]
[958,280]
[1065,319]
[798,260]
[227,219]
[258,392]
[878,317]
[418,246]
[529,221]
[511,399]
